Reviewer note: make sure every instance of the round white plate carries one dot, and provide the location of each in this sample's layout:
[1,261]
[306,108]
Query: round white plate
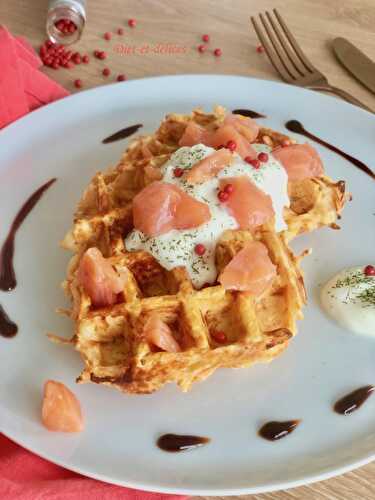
[322,363]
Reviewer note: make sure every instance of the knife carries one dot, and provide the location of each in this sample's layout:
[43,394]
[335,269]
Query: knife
[356,62]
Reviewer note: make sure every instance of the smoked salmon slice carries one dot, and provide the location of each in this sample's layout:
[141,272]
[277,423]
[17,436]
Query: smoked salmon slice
[209,166]
[248,204]
[195,134]
[161,207]
[251,270]
[227,133]
[61,410]
[98,278]
[301,161]
[244,125]
[241,130]
[158,333]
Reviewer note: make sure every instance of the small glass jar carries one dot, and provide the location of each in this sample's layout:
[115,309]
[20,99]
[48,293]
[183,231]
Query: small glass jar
[65,20]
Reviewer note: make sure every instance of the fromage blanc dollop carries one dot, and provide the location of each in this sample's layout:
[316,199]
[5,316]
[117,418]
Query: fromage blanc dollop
[349,298]
[176,248]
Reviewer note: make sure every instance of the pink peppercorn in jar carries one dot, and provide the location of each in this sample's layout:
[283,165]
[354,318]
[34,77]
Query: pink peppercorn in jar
[65,20]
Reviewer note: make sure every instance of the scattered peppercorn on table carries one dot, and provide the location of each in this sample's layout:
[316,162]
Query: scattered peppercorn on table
[136,39]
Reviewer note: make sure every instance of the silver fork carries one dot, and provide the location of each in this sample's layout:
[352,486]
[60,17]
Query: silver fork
[289,60]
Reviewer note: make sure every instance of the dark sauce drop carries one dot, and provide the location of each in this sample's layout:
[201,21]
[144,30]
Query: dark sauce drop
[178,442]
[248,112]
[351,402]
[8,329]
[272,431]
[298,128]
[7,274]
[122,134]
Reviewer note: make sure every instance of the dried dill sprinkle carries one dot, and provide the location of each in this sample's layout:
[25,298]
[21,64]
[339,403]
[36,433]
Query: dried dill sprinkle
[186,158]
[354,279]
[367,297]
[194,268]
[357,279]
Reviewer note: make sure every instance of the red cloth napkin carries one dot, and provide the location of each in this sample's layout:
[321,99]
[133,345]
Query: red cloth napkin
[23,87]
[24,476]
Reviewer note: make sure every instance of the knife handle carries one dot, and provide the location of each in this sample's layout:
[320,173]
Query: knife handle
[341,93]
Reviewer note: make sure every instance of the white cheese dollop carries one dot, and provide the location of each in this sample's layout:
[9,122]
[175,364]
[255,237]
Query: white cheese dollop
[349,298]
[176,248]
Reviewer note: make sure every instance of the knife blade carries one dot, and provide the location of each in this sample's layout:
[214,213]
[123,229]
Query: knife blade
[356,62]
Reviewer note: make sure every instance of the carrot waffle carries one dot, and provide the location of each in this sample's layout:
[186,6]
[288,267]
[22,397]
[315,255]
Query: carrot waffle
[111,338]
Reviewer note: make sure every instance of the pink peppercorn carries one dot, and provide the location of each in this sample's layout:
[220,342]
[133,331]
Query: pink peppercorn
[60,25]
[223,196]
[252,161]
[263,157]
[178,172]
[200,249]
[231,145]
[219,337]
[369,270]
[229,188]
[76,57]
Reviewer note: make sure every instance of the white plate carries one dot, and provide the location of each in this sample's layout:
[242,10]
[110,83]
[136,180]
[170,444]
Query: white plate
[322,363]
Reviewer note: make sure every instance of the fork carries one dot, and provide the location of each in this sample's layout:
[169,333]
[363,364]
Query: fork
[289,60]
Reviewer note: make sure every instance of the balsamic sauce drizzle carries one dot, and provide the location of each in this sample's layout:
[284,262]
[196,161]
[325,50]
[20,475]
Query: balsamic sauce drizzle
[272,431]
[122,134]
[177,442]
[354,400]
[8,329]
[248,112]
[8,279]
[298,128]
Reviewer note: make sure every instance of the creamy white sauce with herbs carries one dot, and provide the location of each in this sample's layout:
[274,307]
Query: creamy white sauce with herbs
[349,298]
[176,248]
